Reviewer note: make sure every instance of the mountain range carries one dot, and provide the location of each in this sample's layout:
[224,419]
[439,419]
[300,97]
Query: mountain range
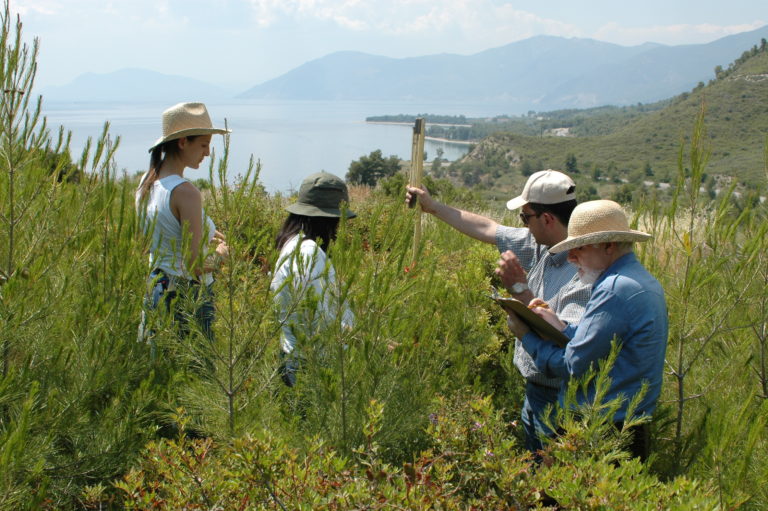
[134,85]
[540,73]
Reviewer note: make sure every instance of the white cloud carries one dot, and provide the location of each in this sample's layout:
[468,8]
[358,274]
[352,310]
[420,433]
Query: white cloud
[100,11]
[402,16]
[27,7]
[504,24]
[470,25]
[349,23]
[671,34]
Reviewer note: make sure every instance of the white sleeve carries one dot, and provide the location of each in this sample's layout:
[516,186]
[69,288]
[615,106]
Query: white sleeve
[320,276]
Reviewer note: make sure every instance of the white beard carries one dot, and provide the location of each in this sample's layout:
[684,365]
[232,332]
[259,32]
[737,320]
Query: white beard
[589,276]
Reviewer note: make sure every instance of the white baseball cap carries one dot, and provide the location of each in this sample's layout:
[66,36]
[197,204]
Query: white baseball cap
[545,187]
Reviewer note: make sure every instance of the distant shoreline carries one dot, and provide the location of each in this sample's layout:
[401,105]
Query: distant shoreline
[449,141]
[434,139]
[399,123]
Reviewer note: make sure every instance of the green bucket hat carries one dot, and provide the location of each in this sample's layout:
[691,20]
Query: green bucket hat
[321,194]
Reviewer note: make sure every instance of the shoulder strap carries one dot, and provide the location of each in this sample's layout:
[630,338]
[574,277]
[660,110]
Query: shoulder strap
[171,182]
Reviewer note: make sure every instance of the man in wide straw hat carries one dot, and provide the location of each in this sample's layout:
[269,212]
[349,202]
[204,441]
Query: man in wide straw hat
[627,304]
[527,269]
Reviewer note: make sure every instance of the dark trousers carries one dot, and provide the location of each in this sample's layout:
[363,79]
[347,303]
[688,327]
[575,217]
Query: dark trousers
[173,296]
[537,399]
[639,440]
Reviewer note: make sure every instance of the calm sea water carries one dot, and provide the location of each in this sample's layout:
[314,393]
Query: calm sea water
[291,139]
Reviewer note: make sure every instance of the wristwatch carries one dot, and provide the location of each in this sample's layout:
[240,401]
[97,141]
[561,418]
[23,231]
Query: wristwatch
[519,287]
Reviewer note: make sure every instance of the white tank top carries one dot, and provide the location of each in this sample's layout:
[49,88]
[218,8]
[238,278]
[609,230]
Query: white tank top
[165,251]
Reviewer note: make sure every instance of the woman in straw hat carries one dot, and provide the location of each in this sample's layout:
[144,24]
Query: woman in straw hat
[627,304]
[171,210]
[304,280]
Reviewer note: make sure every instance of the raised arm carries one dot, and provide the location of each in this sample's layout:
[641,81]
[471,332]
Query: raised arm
[473,225]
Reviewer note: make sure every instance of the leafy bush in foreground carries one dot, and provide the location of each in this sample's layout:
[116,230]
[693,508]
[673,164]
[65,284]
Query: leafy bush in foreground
[472,464]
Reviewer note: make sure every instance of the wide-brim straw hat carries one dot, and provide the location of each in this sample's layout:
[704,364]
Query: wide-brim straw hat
[598,221]
[186,120]
[321,194]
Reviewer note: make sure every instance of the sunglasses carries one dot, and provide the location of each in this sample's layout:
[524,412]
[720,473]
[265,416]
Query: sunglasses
[525,216]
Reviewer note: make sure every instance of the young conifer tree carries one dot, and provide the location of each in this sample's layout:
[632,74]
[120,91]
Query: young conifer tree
[21,140]
[231,390]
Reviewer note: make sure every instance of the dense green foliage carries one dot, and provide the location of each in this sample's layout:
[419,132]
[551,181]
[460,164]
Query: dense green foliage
[415,407]
[472,464]
[368,170]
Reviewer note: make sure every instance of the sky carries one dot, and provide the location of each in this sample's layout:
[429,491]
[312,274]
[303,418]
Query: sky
[240,43]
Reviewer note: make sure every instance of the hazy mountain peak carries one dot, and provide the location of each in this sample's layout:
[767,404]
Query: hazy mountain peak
[542,71]
[134,85]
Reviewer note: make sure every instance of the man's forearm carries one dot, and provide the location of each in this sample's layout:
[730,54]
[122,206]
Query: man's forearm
[548,357]
[473,225]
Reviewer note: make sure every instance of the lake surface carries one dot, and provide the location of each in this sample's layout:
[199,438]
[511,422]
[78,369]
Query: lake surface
[291,139]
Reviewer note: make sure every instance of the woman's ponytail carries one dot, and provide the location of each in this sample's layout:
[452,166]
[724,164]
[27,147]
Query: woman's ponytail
[155,159]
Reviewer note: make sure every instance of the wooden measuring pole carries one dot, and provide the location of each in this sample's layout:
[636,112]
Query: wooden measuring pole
[417,171]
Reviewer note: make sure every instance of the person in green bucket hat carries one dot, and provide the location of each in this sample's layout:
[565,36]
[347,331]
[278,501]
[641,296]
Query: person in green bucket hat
[304,284]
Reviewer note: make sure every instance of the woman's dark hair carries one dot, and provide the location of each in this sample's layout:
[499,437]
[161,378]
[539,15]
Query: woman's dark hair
[156,158]
[562,210]
[322,229]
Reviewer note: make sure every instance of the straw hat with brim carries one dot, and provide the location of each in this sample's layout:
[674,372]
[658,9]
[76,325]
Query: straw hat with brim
[321,194]
[598,221]
[186,120]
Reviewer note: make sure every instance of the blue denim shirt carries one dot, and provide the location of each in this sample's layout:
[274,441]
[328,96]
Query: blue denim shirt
[551,278]
[627,303]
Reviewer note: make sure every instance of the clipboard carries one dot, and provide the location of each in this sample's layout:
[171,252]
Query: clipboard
[535,322]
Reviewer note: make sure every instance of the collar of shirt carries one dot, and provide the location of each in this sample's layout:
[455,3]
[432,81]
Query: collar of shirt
[617,265]
[558,260]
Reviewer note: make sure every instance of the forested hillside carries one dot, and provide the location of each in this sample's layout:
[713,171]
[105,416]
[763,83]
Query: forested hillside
[639,145]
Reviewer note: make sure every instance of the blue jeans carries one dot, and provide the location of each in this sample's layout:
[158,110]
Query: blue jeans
[171,295]
[537,398]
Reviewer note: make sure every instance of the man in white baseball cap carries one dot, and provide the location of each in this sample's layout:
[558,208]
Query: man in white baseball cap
[545,187]
[529,270]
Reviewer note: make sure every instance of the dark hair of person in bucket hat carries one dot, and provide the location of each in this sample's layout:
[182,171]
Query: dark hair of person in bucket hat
[317,211]
[321,194]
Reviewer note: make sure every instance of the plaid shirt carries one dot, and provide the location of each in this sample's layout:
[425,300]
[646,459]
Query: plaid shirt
[550,277]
